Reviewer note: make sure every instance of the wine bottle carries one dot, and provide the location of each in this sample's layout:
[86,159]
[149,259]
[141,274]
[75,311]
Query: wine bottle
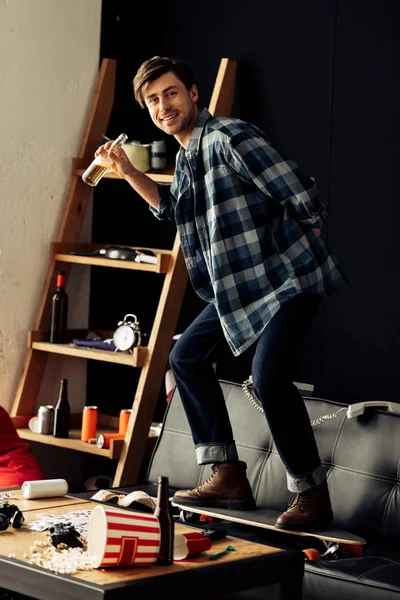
[100,165]
[164,513]
[62,412]
[59,312]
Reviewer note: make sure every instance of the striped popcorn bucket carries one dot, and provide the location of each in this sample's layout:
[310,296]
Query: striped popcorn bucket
[121,538]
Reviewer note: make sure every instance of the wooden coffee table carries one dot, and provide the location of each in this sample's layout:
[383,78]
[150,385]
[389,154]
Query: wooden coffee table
[250,565]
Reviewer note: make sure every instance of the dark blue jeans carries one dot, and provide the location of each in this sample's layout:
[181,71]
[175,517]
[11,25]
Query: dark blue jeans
[273,356]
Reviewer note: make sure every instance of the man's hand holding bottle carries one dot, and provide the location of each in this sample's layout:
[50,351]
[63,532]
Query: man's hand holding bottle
[116,159]
[121,165]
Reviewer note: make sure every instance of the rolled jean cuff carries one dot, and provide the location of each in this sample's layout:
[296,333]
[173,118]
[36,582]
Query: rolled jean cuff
[306,482]
[216,453]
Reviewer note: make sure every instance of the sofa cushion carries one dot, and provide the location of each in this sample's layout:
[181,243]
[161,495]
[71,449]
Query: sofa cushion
[364,578]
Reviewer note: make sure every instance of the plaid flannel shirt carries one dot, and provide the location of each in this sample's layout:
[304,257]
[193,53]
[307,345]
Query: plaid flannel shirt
[245,216]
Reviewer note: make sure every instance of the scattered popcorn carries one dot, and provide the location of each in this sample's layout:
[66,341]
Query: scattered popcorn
[41,544]
[66,561]
[12,556]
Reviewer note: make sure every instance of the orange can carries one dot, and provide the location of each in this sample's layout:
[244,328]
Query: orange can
[89,423]
[124,417]
[103,439]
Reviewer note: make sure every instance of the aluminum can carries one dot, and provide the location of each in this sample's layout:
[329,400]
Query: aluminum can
[89,423]
[103,439]
[124,417]
[45,419]
[159,155]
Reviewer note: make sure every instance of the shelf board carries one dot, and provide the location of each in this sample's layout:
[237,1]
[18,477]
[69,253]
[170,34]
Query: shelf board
[73,442]
[38,340]
[79,166]
[165,176]
[60,253]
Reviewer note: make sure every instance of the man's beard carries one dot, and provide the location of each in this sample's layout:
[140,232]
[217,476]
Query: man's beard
[183,122]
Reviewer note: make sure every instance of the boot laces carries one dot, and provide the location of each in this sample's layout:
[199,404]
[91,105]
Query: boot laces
[209,480]
[301,500]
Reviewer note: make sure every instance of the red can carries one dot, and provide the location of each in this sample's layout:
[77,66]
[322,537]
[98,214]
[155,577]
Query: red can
[89,423]
[124,417]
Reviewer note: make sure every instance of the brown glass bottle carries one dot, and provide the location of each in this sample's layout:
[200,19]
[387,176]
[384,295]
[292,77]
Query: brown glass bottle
[62,412]
[164,513]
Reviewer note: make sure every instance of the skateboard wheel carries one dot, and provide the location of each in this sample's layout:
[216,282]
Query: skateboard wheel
[353,549]
[189,517]
[312,554]
[206,519]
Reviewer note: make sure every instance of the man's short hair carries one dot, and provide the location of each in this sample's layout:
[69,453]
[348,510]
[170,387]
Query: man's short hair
[155,67]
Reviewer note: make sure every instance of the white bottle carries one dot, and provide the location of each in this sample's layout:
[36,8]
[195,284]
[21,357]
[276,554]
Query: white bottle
[100,165]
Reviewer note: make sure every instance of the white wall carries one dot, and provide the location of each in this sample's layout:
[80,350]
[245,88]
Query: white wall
[49,58]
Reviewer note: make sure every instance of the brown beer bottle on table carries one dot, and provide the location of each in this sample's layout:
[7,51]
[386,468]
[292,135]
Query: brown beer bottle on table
[62,412]
[59,312]
[164,513]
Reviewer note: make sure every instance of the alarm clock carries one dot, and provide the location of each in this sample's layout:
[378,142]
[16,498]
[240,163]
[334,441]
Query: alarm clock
[127,335]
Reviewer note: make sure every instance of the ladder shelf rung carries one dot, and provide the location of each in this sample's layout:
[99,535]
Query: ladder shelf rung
[39,340]
[60,252]
[73,442]
[79,165]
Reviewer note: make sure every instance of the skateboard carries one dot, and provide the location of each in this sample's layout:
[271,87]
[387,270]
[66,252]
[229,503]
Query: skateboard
[337,542]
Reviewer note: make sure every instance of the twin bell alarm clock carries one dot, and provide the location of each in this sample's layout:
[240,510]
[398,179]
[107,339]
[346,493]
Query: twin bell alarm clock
[127,335]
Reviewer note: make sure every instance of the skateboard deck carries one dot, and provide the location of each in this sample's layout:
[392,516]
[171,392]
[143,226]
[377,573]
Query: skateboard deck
[266,518]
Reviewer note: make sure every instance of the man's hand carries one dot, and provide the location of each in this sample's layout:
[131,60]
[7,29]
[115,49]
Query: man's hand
[121,165]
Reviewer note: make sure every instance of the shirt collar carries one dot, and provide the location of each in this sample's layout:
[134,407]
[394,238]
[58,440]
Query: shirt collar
[194,142]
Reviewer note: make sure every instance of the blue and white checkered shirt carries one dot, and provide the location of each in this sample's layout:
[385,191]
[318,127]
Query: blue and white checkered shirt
[245,216]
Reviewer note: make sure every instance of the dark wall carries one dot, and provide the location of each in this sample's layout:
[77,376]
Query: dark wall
[320,79]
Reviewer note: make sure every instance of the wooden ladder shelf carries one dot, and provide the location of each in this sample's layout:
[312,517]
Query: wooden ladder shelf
[153,358]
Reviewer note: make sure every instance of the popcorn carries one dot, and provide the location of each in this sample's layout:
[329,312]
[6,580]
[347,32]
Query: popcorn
[66,561]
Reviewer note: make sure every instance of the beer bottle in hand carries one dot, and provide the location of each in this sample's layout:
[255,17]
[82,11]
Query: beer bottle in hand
[164,513]
[100,165]
[62,412]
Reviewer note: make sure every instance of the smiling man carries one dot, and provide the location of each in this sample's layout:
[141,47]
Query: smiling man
[248,221]
[171,108]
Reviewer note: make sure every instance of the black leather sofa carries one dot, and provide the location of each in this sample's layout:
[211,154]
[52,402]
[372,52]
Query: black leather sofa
[362,459]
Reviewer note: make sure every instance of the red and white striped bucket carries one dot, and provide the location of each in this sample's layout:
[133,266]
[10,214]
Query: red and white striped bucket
[118,538]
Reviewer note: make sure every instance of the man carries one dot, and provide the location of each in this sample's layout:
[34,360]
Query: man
[248,221]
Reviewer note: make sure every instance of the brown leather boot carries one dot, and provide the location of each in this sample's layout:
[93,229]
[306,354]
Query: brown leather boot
[308,509]
[227,487]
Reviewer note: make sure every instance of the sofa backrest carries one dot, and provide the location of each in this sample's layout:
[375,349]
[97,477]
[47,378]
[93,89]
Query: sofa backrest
[361,456]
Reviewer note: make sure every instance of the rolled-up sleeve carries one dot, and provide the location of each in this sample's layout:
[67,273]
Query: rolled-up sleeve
[165,208]
[256,160]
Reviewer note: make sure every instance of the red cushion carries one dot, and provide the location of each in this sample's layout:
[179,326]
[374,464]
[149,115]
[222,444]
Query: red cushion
[17,463]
